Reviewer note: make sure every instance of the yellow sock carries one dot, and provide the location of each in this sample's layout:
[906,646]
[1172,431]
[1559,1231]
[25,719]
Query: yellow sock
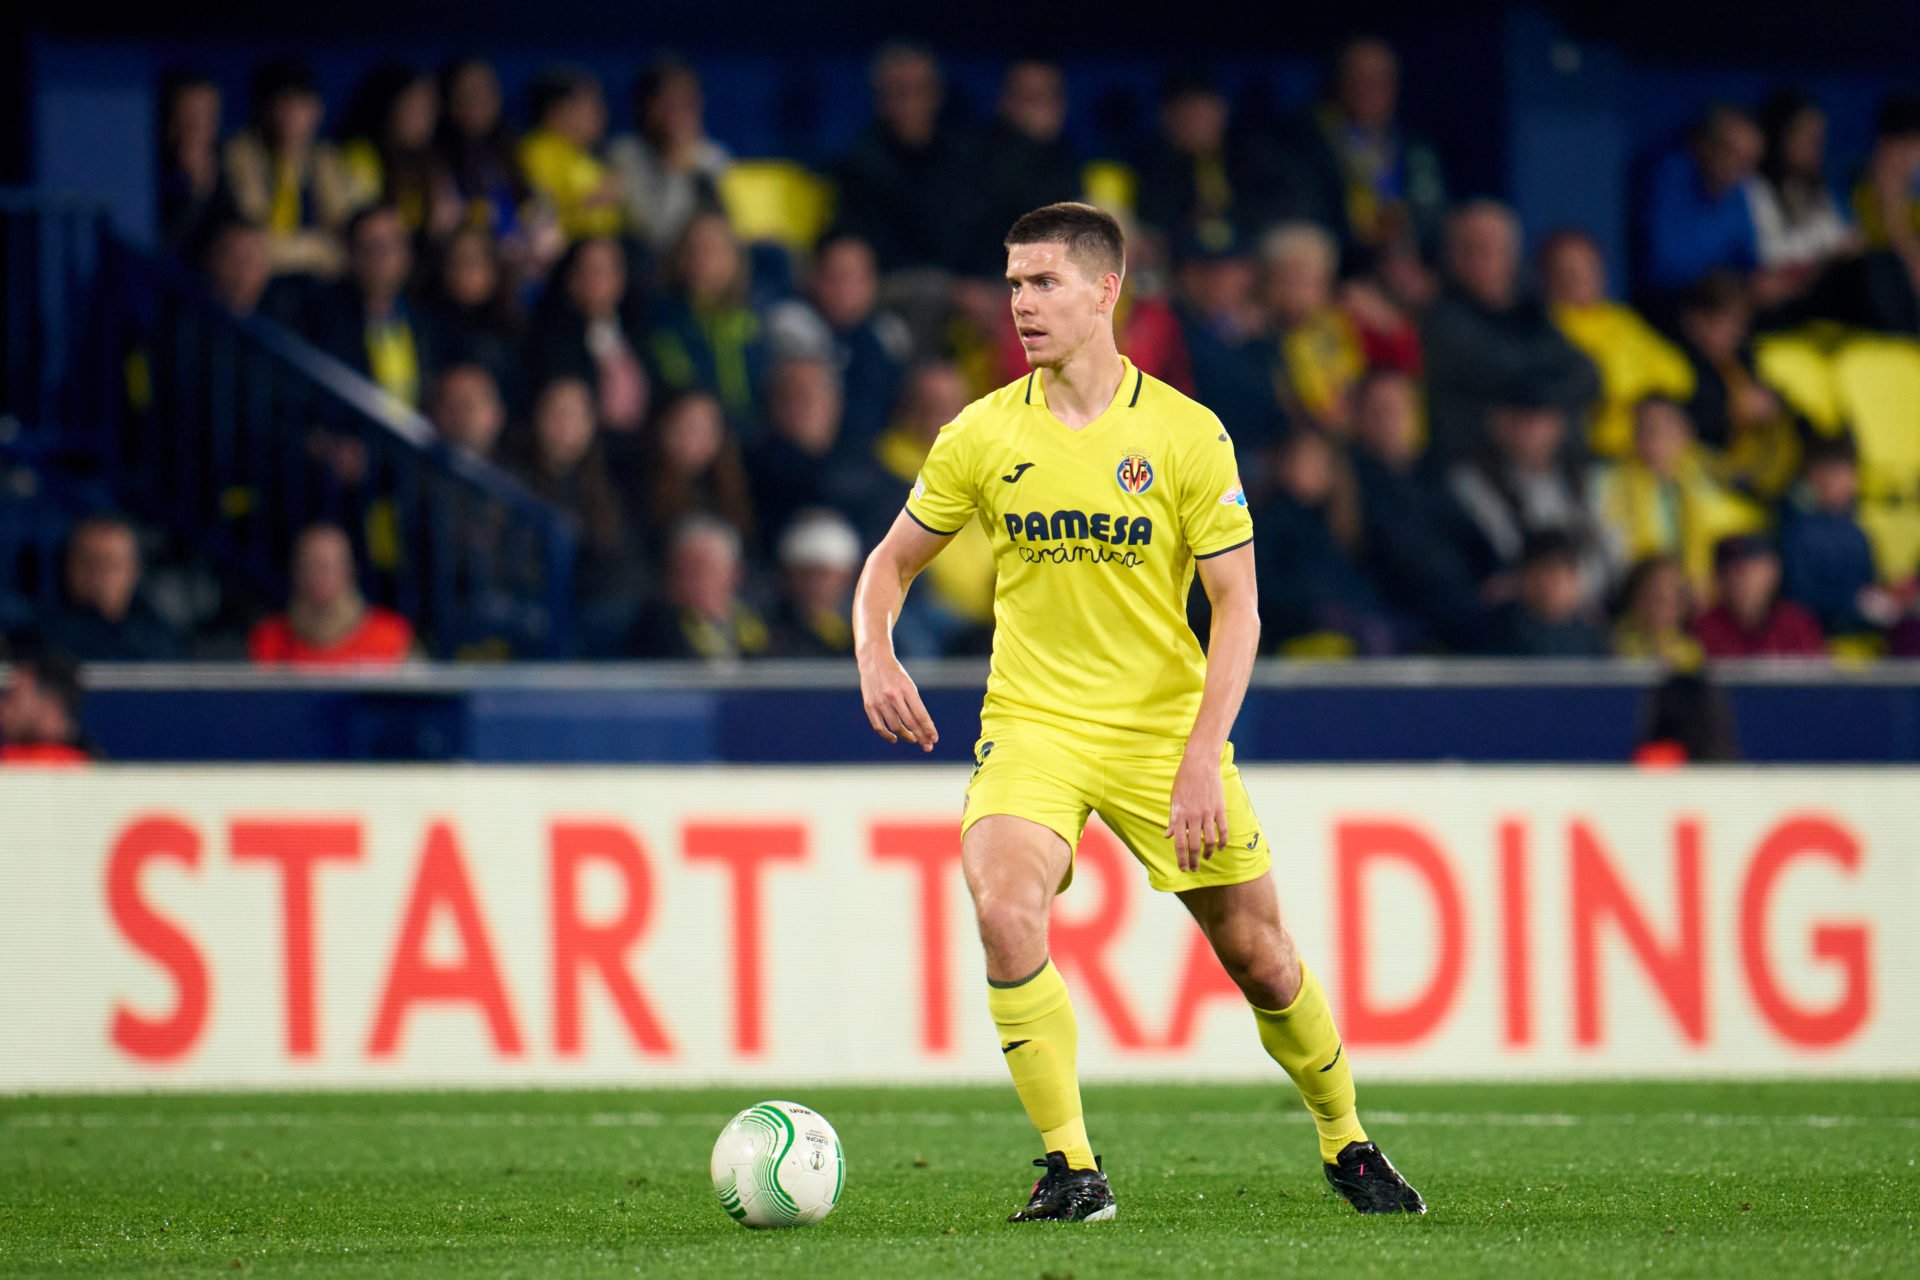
[1041,1043]
[1303,1039]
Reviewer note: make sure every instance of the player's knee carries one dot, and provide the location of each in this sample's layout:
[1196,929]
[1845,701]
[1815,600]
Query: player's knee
[1262,964]
[1009,921]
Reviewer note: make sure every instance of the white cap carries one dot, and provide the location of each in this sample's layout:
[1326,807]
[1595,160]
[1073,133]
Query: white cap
[820,539]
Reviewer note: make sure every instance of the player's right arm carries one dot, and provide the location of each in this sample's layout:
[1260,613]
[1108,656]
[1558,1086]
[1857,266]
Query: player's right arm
[893,702]
[945,496]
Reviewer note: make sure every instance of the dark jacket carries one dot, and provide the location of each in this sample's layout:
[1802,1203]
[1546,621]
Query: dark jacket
[1519,633]
[1825,563]
[1308,581]
[1479,357]
[808,636]
[141,636]
[1414,532]
[1012,174]
[914,205]
[663,631]
[787,479]
[1263,184]
[1416,181]
[339,328]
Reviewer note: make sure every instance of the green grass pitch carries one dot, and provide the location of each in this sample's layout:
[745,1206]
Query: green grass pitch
[1560,1180]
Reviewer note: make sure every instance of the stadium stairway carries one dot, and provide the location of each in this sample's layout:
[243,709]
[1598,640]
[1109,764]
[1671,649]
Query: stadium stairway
[124,384]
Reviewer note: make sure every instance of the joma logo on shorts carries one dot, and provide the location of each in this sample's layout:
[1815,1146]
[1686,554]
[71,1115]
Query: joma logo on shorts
[1035,526]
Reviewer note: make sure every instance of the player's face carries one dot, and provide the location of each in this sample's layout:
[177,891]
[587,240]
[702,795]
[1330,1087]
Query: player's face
[1058,305]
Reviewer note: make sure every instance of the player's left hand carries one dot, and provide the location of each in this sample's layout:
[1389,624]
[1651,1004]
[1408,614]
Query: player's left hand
[1197,816]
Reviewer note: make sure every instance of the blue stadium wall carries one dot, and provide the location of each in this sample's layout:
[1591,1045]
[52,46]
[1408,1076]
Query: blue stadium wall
[1468,712]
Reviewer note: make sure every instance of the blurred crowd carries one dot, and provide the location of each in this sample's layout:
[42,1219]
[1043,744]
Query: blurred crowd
[1453,441]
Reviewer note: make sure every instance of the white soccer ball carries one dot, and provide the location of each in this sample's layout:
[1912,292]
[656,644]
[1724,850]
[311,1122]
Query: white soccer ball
[777,1164]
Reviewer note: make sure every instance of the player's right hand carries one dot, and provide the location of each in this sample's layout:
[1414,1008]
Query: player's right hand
[893,703]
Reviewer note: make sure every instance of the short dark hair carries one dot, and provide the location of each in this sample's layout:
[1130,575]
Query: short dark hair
[58,677]
[1822,450]
[554,85]
[362,216]
[1899,117]
[278,78]
[1092,236]
[1550,546]
[1716,293]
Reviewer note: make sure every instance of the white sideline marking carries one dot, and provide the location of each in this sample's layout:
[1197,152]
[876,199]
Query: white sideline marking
[901,1119]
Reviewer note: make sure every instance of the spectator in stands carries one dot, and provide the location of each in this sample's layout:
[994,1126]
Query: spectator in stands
[389,150]
[950,609]
[1698,217]
[104,617]
[1748,618]
[1229,339]
[1324,347]
[693,467]
[40,712]
[1688,721]
[193,191]
[1547,618]
[1521,484]
[285,178]
[1654,610]
[703,333]
[1634,360]
[467,411]
[1487,344]
[701,615]
[1410,524]
[1145,321]
[238,268]
[366,321]
[1798,226]
[476,148]
[1752,437]
[798,464]
[1314,597]
[819,557]
[565,464]
[668,168]
[1660,500]
[904,187]
[1022,160]
[1826,561]
[328,623]
[1380,188]
[1199,176]
[470,294]
[559,156]
[840,317]
[1887,202]
[586,331]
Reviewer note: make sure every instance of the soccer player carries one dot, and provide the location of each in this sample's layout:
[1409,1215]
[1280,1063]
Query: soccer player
[1102,489]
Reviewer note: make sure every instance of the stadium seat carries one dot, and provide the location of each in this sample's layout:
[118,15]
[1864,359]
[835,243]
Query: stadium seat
[1878,380]
[777,200]
[1893,529]
[1111,185]
[1801,370]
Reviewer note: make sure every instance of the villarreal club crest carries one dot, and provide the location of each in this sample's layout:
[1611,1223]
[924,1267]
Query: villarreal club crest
[1134,473]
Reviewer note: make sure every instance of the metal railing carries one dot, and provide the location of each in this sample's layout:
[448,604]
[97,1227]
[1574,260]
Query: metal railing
[234,433]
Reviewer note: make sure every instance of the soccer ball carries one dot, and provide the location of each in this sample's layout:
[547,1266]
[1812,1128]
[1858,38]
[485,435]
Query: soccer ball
[777,1164]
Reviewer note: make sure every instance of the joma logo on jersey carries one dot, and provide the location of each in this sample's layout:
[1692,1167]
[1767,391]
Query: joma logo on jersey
[1035,526]
[1134,473]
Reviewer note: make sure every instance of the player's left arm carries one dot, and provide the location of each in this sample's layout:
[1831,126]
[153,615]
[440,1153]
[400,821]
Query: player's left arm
[1197,816]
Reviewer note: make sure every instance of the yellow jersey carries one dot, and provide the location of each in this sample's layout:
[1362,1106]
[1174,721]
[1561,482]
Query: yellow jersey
[1095,533]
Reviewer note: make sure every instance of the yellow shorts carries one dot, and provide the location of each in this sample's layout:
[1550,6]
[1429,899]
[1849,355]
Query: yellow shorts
[1057,780]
